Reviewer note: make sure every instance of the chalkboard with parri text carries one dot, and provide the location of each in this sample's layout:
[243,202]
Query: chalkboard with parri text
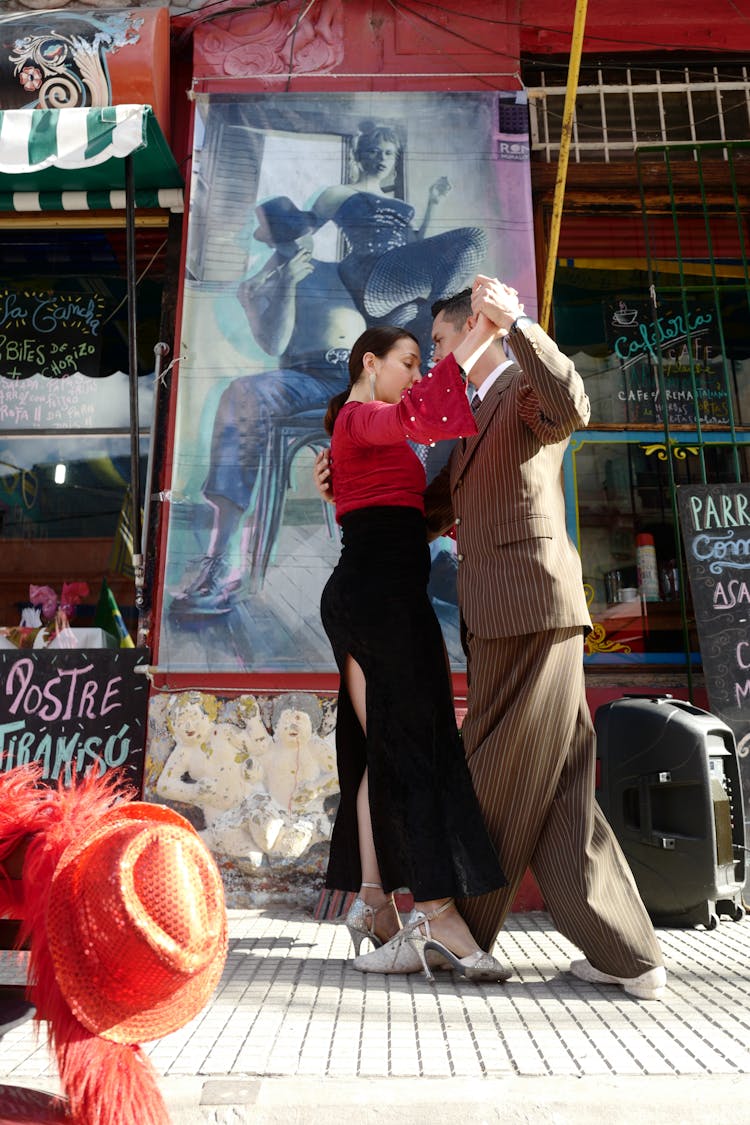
[73,710]
[715,524]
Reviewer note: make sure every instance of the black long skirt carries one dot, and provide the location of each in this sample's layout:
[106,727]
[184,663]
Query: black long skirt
[427,827]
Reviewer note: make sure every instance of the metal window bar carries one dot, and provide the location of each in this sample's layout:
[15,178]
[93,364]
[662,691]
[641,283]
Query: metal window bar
[603,112]
[740,230]
[662,114]
[631,106]
[717,305]
[689,98]
[720,107]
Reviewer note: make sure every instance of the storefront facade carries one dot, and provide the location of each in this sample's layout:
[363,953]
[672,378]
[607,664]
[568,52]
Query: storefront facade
[90,196]
[270,110]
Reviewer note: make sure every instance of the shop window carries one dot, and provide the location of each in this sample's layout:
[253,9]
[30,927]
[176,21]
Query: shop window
[625,527]
[65,425]
[603,318]
[65,515]
[623,472]
[695,339]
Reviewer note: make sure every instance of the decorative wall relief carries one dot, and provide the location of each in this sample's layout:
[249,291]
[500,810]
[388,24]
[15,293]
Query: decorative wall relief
[257,778]
[279,40]
[60,60]
[68,58]
[61,71]
[97,5]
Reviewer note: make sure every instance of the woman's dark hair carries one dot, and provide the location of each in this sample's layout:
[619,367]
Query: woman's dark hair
[378,340]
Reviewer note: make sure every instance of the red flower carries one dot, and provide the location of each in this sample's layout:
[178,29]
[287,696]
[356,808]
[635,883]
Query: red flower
[72,594]
[30,78]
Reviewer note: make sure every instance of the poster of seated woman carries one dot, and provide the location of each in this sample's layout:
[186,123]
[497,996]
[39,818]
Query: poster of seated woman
[360,211]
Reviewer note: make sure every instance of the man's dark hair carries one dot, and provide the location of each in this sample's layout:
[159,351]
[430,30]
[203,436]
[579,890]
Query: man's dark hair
[455,309]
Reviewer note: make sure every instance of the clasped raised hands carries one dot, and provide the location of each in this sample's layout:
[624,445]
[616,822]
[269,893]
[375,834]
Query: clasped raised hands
[498,302]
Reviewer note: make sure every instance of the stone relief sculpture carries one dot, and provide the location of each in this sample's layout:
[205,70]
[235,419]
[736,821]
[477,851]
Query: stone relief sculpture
[265,799]
[294,785]
[207,766]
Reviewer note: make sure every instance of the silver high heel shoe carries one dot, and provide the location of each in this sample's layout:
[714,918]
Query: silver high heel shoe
[478,966]
[360,921]
[401,954]
[397,955]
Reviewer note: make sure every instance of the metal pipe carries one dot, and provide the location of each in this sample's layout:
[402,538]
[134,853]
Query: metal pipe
[160,351]
[574,67]
[135,496]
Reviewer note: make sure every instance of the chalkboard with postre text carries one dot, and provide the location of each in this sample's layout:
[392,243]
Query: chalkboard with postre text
[715,524]
[74,710]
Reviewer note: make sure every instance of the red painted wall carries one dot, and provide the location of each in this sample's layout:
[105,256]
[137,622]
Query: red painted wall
[140,70]
[466,37]
[685,26]
[411,46]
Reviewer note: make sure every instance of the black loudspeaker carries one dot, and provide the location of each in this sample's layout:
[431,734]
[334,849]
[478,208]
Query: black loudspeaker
[668,782]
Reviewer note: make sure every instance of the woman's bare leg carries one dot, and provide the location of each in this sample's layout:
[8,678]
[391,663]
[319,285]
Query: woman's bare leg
[388,921]
[449,928]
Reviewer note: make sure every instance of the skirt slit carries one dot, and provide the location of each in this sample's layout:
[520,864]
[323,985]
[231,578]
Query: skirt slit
[427,827]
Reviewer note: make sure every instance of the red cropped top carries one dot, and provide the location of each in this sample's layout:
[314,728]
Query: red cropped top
[371,463]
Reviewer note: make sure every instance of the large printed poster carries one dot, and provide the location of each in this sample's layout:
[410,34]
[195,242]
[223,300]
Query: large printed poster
[313,217]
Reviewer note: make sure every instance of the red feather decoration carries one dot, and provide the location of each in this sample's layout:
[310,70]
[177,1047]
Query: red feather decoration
[106,1083]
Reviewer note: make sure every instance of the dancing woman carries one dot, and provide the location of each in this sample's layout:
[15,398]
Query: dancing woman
[408,816]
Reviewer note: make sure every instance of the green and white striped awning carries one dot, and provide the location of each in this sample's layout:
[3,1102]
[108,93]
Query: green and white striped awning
[74,159]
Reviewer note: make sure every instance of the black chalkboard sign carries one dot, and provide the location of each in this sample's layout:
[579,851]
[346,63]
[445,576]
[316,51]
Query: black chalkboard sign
[52,334]
[688,345]
[715,523]
[73,710]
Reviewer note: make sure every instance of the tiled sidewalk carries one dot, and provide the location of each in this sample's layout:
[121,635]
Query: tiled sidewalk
[290,1005]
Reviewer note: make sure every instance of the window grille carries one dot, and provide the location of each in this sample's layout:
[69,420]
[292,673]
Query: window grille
[645,105]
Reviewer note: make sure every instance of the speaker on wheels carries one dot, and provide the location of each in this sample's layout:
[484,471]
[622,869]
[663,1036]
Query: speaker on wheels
[668,782]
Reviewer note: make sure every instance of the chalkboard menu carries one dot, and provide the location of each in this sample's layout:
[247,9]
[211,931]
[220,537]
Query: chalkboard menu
[680,338]
[715,523]
[73,710]
[52,334]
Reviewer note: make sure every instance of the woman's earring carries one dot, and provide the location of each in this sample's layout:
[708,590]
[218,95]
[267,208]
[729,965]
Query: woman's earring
[372,386]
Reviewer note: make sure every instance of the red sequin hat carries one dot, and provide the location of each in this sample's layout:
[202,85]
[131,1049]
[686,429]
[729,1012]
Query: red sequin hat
[136,924]
[122,908]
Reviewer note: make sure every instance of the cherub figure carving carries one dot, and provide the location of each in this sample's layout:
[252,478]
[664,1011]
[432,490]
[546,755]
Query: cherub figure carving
[264,800]
[290,807]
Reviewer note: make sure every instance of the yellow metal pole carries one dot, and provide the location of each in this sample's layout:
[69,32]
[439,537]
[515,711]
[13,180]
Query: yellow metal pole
[574,66]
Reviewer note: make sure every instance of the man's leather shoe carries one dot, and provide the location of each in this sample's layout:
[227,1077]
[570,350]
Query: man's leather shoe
[650,985]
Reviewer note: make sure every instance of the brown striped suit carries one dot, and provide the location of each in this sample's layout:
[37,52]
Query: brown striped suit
[528,733]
